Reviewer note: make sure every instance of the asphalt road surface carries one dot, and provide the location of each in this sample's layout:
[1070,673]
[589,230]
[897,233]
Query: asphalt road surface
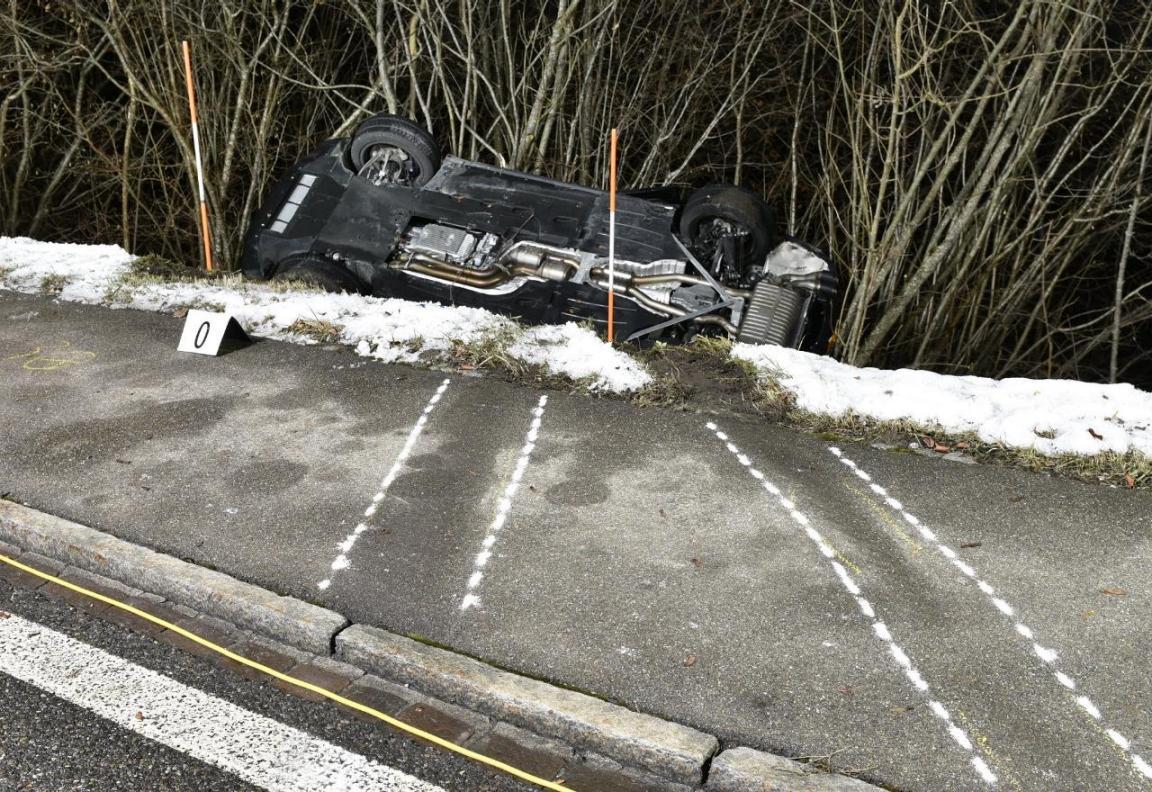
[933,625]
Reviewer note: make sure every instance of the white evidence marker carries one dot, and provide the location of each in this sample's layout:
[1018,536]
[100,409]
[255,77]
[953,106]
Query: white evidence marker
[205,333]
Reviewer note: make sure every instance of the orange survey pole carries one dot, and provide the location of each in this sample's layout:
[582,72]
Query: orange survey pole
[612,239]
[205,231]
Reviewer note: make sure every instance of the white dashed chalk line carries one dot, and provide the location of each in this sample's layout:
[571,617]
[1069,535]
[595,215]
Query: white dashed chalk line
[878,627]
[252,747]
[471,598]
[342,560]
[1048,656]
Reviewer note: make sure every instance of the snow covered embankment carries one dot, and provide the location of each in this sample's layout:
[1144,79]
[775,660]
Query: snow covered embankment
[387,329]
[1051,416]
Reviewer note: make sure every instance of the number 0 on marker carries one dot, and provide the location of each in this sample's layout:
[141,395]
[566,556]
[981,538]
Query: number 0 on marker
[202,334]
[206,333]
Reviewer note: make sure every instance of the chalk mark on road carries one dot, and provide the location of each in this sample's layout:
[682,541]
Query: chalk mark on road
[1048,656]
[60,357]
[471,598]
[253,747]
[342,560]
[881,630]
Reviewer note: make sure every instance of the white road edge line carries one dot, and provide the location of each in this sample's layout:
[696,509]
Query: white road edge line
[342,560]
[471,599]
[882,631]
[257,749]
[1048,656]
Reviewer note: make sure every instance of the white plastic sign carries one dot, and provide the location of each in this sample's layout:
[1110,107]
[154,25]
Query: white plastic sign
[206,333]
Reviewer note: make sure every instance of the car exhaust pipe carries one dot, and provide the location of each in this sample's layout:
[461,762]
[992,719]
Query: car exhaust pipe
[669,310]
[480,279]
[525,261]
[535,263]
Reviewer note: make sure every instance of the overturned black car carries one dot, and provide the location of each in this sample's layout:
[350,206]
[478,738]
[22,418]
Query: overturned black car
[382,213]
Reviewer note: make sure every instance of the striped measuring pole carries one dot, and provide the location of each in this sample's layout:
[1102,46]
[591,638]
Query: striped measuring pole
[612,238]
[205,231]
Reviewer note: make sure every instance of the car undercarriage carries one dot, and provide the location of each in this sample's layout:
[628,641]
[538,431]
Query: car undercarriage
[382,213]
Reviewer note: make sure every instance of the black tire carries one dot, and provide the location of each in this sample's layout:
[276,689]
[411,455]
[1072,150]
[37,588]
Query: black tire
[389,131]
[753,219]
[319,272]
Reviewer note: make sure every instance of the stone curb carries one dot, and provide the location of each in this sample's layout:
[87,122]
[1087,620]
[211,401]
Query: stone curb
[286,619]
[668,749]
[747,770]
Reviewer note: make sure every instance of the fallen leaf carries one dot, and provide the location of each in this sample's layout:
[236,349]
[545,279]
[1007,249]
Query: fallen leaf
[846,690]
[901,710]
[139,715]
[662,514]
[940,448]
[4,615]
[1115,591]
[689,661]
[696,562]
[466,367]
[1015,498]
[1088,614]
[966,545]
[180,312]
[1095,434]
[1130,480]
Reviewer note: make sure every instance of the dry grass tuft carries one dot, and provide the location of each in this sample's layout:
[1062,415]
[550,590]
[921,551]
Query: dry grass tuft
[53,284]
[1131,470]
[490,354]
[319,330]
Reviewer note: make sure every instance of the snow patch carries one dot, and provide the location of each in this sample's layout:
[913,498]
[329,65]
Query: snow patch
[579,353]
[1051,416]
[390,330]
[88,269]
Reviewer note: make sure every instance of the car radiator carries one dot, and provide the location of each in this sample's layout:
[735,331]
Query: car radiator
[773,315]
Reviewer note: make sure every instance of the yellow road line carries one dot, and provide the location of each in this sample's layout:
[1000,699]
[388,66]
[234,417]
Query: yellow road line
[398,724]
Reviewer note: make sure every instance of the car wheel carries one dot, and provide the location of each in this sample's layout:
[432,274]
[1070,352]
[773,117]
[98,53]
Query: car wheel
[730,216]
[319,272]
[387,149]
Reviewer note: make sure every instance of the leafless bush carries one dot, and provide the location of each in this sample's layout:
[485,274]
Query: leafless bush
[986,172]
[980,167]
